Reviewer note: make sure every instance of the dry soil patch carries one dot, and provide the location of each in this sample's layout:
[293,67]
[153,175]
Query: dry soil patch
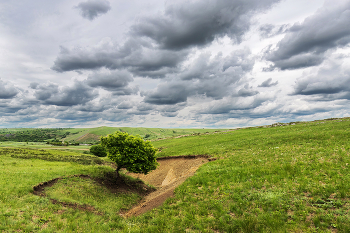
[172,172]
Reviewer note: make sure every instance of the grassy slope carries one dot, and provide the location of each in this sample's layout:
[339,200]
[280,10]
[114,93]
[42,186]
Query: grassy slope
[286,178]
[92,134]
[270,179]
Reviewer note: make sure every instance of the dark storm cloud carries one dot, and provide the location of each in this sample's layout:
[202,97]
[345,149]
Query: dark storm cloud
[44,91]
[115,81]
[79,59]
[296,61]
[201,68]
[133,55]
[328,83]
[34,85]
[331,78]
[169,93]
[144,107]
[77,116]
[247,91]
[9,110]
[206,76]
[182,26]
[268,83]
[126,91]
[154,63]
[141,109]
[7,91]
[125,105]
[93,8]
[118,116]
[305,44]
[169,114]
[311,111]
[230,105]
[313,87]
[93,107]
[9,107]
[171,110]
[51,94]
[197,23]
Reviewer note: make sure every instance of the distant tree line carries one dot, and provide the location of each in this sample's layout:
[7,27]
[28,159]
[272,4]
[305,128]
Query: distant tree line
[32,135]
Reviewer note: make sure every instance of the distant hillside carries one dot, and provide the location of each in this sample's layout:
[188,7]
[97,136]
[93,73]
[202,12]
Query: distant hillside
[90,135]
[31,134]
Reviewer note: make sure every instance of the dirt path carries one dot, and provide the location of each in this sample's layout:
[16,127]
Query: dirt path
[172,172]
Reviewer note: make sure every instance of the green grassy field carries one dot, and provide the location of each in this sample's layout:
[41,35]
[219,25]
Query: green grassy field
[41,145]
[89,135]
[93,134]
[289,178]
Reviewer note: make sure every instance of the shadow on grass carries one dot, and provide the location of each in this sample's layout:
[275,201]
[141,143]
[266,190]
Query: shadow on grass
[125,184]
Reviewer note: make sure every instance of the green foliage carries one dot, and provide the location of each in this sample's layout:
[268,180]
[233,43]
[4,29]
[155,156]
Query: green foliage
[98,150]
[130,152]
[55,143]
[32,135]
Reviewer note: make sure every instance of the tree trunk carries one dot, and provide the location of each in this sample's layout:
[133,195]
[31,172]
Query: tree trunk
[117,173]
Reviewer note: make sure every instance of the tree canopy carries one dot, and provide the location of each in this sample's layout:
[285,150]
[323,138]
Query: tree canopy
[98,150]
[130,152]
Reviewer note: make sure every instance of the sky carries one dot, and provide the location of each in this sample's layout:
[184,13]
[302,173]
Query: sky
[173,64]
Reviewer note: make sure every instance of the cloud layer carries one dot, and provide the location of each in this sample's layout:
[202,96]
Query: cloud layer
[93,8]
[173,64]
[306,43]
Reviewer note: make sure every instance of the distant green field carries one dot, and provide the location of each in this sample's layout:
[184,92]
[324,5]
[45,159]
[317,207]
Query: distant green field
[41,145]
[93,134]
[89,135]
[280,178]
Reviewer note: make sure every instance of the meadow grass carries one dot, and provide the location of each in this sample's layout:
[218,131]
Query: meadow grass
[52,155]
[88,135]
[147,133]
[22,211]
[88,192]
[290,178]
[42,145]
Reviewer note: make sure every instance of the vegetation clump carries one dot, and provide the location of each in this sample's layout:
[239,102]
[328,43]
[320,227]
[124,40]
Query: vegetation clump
[98,150]
[130,152]
[32,135]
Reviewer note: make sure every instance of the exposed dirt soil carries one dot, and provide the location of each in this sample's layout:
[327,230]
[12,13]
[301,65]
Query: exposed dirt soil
[172,172]
[88,136]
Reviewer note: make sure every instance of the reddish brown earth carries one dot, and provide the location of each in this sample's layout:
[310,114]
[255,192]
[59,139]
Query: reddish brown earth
[172,172]
[88,136]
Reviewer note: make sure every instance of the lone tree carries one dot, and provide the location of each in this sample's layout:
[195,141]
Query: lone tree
[130,152]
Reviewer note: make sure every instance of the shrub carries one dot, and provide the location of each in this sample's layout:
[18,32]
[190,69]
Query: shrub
[98,150]
[130,152]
